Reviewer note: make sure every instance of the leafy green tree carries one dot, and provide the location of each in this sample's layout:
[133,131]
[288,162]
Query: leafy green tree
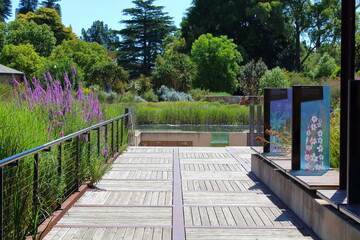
[108,74]
[173,68]
[259,28]
[52,4]
[86,55]
[51,18]
[27,6]
[22,57]
[273,78]
[100,33]
[217,61]
[5,10]
[59,66]
[143,36]
[40,36]
[249,77]
[325,67]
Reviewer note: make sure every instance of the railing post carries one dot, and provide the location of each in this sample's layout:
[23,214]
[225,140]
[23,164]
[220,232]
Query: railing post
[122,132]
[259,121]
[36,182]
[117,135]
[251,126]
[112,138]
[60,159]
[77,163]
[1,203]
[98,141]
[89,145]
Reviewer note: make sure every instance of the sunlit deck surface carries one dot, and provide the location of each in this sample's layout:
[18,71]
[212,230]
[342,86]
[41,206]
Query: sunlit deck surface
[180,193]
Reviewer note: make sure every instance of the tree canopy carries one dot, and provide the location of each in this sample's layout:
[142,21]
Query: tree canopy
[217,61]
[27,6]
[52,4]
[142,36]
[40,36]
[100,33]
[5,10]
[51,18]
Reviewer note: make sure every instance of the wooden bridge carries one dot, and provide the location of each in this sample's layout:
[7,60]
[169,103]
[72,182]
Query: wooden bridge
[180,193]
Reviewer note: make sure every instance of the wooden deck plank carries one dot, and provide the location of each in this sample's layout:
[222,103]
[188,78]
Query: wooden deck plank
[218,201]
[236,234]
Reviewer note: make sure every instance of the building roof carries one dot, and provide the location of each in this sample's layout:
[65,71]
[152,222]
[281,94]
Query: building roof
[9,71]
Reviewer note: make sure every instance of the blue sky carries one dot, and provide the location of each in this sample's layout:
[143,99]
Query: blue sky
[82,13]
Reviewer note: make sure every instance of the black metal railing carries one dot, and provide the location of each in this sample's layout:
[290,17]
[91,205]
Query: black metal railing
[34,183]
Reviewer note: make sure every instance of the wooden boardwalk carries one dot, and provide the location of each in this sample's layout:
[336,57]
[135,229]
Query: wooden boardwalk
[179,193]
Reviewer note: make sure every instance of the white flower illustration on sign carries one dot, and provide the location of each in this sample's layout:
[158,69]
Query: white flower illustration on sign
[314,148]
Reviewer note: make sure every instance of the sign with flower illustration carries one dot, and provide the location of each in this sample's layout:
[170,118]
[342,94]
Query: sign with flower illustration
[311,128]
[277,118]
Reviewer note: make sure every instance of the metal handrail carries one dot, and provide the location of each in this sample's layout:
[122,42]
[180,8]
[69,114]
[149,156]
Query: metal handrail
[57,141]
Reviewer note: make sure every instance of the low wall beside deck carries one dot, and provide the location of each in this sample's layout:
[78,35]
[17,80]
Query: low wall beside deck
[194,139]
[322,218]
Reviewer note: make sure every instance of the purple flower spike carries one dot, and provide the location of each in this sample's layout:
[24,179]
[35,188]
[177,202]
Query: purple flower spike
[79,93]
[61,134]
[73,70]
[16,83]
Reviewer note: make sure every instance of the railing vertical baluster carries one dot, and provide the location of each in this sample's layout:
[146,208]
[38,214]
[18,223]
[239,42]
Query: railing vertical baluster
[117,135]
[36,183]
[1,203]
[77,163]
[112,138]
[98,141]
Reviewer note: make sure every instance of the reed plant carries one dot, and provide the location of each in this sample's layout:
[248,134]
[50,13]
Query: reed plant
[191,113]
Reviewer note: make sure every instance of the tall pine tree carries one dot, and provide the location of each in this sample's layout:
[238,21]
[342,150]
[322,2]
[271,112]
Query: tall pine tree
[5,10]
[52,4]
[27,6]
[142,37]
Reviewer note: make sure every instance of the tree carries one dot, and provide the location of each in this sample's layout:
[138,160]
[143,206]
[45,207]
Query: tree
[52,4]
[259,28]
[217,63]
[174,70]
[40,36]
[2,34]
[51,18]
[273,78]
[27,6]
[5,10]
[249,77]
[142,37]
[84,54]
[100,33]
[108,74]
[22,57]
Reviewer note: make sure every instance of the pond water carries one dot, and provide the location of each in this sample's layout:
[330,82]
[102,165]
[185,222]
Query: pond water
[192,128]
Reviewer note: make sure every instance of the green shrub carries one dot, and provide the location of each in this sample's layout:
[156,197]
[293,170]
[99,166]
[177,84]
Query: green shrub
[197,93]
[127,98]
[273,78]
[150,96]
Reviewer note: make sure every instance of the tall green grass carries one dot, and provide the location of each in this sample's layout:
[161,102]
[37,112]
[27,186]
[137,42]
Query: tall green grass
[191,113]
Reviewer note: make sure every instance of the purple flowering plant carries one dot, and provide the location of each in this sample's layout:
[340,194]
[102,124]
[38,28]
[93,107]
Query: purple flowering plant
[68,110]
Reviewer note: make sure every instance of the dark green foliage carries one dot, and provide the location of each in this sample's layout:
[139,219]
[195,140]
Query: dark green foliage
[5,10]
[100,33]
[217,63]
[52,4]
[143,36]
[249,77]
[259,28]
[27,6]
[174,70]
